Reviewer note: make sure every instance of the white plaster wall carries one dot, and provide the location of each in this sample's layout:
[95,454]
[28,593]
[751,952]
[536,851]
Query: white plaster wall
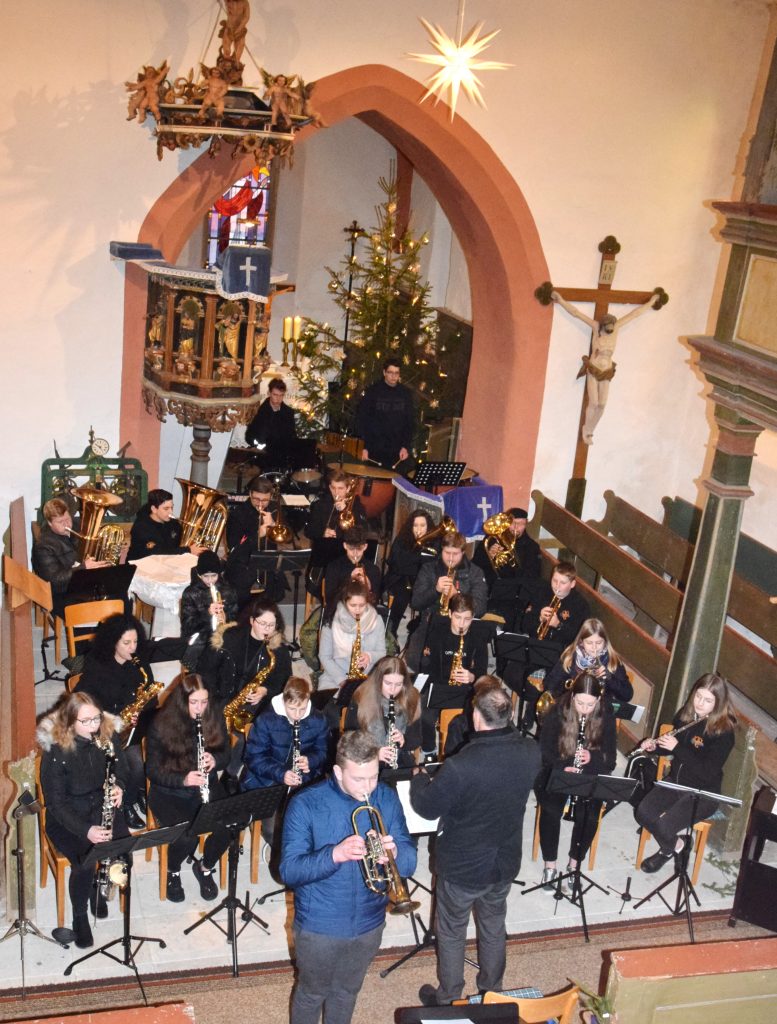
[617,119]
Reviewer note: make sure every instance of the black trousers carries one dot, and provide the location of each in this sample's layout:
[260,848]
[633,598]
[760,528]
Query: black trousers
[75,848]
[170,810]
[583,832]
[442,696]
[666,813]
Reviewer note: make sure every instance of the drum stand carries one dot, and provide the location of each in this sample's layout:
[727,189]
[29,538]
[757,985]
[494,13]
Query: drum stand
[22,926]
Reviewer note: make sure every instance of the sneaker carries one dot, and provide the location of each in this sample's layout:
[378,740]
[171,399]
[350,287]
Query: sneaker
[549,876]
[175,891]
[652,864]
[208,888]
[97,903]
[83,932]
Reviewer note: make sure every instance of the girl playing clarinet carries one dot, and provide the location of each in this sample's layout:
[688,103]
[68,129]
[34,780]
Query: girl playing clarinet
[370,708]
[577,735]
[698,754]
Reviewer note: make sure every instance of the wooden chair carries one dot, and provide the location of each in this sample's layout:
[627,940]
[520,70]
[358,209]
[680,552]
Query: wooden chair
[50,857]
[446,717]
[87,614]
[594,844]
[701,829]
[537,1011]
[72,681]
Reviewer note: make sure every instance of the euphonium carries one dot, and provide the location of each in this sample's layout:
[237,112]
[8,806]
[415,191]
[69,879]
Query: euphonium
[457,662]
[101,542]
[205,787]
[354,671]
[110,873]
[203,515]
[446,525]
[544,626]
[382,879]
[238,712]
[445,598]
[503,553]
[577,764]
[145,692]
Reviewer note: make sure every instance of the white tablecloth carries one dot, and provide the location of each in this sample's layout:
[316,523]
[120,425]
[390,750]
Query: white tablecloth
[160,580]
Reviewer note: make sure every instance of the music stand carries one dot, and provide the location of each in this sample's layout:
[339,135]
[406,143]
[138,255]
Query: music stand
[281,562]
[585,788]
[235,813]
[22,926]
[429,475]
[97,584]
[685,889]
[121,849]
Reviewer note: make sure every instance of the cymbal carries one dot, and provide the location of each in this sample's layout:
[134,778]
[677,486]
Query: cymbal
[364,469]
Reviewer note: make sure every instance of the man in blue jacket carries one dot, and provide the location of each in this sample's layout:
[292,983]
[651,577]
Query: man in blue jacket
[480,796]
[338,921]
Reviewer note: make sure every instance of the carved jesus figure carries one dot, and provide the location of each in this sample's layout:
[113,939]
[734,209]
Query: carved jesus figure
[235,28]
[599,368]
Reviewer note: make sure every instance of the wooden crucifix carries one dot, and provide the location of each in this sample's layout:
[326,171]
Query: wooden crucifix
[598,366]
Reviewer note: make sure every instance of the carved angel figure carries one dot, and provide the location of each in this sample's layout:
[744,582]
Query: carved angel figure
[279,92]
[145,92]
[216,88]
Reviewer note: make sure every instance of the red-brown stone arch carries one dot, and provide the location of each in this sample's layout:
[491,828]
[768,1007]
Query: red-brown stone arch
[495,228]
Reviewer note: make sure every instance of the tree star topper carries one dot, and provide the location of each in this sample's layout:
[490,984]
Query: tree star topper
[457,63]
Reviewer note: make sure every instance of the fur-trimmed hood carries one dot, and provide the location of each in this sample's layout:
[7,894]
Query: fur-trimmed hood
[44,733]
[217,639]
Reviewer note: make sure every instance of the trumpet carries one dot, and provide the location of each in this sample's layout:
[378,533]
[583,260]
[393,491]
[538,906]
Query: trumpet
[381,878]
[445,597]
[446,525]
[542,630]
[347,519]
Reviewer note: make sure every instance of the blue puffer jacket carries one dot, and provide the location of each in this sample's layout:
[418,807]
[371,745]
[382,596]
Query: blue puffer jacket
[267,755]
[329,898]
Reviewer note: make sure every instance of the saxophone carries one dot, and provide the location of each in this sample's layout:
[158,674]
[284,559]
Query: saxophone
[145,692]
[543,628]
[238,713]
[445,598]
[205,787]
[110,873]
[577,764]
[391,723]
[457,662]
[354,672]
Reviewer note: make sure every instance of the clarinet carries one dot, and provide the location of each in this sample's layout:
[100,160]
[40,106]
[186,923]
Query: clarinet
[205,787]
[104,884]
[577,764]
[390,726]
[296,750]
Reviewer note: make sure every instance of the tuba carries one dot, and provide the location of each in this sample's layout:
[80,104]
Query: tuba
[382,879]
[498,527]
[98,541]
[203,515]
[238,713]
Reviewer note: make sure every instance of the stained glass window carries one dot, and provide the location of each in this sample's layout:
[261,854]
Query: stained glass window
[240,215]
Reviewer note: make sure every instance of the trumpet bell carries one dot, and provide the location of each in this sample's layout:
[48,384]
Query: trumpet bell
[544,704]
[406,906]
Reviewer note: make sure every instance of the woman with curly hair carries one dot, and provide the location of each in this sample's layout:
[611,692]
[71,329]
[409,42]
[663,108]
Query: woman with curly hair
[369,711]
[176,788]
[114,669]
[75,740]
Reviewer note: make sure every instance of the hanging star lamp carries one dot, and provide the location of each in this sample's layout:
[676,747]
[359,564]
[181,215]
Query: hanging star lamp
[457,61]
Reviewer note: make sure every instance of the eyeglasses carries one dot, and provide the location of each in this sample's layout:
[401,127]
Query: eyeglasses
[90,721]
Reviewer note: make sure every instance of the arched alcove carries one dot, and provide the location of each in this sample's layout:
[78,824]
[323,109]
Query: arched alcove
[495,228]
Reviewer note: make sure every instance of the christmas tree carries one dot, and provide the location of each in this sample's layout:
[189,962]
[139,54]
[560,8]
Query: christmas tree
[386,311]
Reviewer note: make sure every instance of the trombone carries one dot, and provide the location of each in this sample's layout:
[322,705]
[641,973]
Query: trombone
[381,878]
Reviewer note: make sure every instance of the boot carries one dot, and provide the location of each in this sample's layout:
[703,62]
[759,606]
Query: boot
[83,932]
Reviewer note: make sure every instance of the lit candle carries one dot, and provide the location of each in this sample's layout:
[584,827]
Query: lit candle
[297,327]
[287,321]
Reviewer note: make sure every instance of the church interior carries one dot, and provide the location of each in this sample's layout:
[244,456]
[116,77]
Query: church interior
[620,163]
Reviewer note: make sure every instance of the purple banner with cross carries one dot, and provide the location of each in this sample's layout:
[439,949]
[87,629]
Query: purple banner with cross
[244,272]
[469,507]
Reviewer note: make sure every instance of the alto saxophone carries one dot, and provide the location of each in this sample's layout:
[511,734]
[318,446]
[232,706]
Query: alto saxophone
[457,662]
[391,724]
[110,873]
[445,598]
[354,672]
[145,692]
[205,787]
[238,713]
[577,764]
[543,628]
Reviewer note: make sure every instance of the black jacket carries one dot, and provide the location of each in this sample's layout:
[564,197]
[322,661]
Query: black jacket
[469,579]
[572,613]
[527,557]
[115,685]
[242,523]
[169,780]
[698,759]
[233,660]
[616,684]
[385,420]
[196,600]
[442,645]
[275,429]
[338,573]
[149,537]
[404,563]
[53,558]
[602,759]
[480,796]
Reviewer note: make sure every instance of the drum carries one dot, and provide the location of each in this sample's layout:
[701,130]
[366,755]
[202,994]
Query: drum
[308,480]
[373,485]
